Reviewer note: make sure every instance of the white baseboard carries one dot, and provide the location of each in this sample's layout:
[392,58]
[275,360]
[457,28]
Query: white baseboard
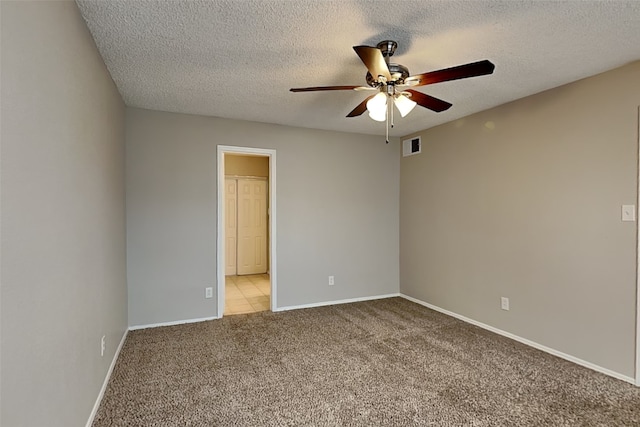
[292,307]
[530,343]
[342,301]
[94,411]
[176,322]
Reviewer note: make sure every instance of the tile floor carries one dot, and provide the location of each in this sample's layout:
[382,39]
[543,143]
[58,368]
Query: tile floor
[247,294]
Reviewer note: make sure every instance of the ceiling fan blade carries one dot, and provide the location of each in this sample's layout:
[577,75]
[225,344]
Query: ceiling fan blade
[374,61]
[316,88]
[361,108]
[428,101]
[473,69]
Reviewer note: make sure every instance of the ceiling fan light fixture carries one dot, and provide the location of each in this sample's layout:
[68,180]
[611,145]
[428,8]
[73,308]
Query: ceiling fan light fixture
[404,104]
[377,107]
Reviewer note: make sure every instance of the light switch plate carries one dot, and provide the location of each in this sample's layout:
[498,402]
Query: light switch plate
[628,212]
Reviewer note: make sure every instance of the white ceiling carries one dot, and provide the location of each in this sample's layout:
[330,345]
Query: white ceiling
[238,58]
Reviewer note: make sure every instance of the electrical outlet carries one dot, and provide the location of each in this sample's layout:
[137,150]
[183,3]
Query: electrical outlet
[331,281]
[504,303]
[103,345]
[208,292]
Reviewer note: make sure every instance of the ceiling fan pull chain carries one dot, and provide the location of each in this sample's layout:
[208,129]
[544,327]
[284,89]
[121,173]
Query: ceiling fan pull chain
[390,102]
[387,135]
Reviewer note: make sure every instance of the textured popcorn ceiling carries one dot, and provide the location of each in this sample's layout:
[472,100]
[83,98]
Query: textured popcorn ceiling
[237,59]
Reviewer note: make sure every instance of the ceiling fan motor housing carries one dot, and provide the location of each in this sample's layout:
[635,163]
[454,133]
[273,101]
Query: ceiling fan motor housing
[398,74]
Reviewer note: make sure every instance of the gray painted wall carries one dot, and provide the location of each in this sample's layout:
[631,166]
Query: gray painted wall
[63,230]
[523,201]
[337,213]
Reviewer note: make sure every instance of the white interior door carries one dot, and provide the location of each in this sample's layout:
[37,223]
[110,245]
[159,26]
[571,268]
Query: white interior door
[252,226]
[231,225]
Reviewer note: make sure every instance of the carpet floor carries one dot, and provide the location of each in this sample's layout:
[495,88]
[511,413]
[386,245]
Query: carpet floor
[387,362]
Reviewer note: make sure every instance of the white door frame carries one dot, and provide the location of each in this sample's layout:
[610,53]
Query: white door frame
[638,263]
[220,267]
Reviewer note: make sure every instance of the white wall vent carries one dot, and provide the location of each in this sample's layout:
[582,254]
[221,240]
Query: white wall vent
[411,146]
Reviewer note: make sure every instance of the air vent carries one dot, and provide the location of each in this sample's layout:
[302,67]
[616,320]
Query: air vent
[411,146]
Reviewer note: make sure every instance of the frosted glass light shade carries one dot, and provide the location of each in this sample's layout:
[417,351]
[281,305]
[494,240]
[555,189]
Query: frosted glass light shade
[377,107]
[404,104]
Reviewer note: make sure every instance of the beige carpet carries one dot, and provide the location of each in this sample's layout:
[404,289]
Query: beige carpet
[380,363]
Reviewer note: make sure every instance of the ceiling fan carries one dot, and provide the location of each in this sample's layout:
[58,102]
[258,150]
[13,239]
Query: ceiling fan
[393,81]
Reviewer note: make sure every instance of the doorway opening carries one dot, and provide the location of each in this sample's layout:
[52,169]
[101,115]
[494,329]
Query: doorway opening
[247,286]
[246,276]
